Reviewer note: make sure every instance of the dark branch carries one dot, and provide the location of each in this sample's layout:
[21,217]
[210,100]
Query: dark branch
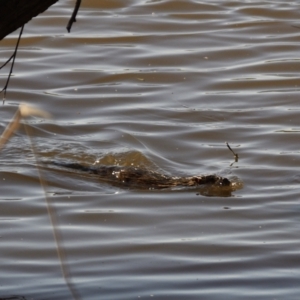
[13,57]
[7,61]
[73,17]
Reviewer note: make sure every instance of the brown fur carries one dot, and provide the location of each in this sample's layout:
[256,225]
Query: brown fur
[143,178]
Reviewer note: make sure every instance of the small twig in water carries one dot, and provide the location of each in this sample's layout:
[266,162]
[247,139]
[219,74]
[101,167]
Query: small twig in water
[13,57]
[73,17]
[236,156]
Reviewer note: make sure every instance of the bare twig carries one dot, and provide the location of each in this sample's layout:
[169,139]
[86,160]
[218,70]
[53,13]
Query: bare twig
[74,14]
[236,156]
[13,57]
[7,61]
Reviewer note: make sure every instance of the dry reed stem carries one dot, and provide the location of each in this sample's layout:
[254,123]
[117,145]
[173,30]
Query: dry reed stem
[23,112]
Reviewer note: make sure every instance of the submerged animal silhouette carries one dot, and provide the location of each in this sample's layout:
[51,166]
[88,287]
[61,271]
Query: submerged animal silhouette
[144,178]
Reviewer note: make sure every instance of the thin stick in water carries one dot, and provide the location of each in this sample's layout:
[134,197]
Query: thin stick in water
[236,156]
[10,129]
[23,112]
[65,270]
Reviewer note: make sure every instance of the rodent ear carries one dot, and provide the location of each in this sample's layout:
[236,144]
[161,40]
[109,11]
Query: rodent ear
[225,182]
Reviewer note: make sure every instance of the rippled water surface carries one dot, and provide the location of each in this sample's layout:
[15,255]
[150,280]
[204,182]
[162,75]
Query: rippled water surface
[159,84]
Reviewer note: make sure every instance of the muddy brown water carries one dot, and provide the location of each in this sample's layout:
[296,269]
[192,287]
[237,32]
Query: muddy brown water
[161,84]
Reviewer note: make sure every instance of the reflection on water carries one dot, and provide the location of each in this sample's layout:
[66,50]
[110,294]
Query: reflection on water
[160,85]
[13,298]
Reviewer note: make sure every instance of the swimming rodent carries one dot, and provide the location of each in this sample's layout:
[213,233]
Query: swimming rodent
[145,179]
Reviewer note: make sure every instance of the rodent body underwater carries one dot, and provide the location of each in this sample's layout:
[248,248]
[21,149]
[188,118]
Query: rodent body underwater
[144,178]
